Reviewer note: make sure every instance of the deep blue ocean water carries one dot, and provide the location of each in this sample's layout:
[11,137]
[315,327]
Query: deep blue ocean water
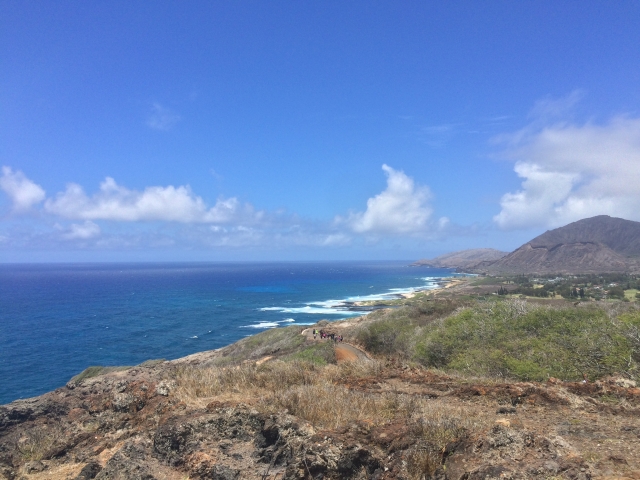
[58,319]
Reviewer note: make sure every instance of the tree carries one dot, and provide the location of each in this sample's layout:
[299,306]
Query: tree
[616,292]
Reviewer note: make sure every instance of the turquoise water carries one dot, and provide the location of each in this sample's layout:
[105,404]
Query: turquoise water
[56,320]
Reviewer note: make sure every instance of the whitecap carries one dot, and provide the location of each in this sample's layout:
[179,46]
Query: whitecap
[195,336]
[345,308]
[314,310]
[287,320]
[261,325]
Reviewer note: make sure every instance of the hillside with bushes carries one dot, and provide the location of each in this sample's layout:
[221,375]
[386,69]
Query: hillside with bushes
[446,385]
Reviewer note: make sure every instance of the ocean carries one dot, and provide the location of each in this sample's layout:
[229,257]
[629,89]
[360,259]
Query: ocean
[58,319]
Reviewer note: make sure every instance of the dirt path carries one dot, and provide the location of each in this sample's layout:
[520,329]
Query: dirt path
[349,353]
[345,352]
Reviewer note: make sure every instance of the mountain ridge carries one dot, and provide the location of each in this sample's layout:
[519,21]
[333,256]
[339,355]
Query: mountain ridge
[592,245]
[462,259]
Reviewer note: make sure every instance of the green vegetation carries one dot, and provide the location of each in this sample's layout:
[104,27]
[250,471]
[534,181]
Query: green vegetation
[607,286]
[153,362]
[512,338]
[318,354]
[393,332]
[280,341]
[94,371]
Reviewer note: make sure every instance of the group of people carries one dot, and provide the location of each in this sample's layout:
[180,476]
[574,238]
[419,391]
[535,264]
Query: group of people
[335,337]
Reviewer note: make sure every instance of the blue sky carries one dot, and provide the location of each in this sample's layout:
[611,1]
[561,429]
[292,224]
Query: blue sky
[311,130]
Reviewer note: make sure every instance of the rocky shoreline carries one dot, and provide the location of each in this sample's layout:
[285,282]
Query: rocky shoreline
[151,422]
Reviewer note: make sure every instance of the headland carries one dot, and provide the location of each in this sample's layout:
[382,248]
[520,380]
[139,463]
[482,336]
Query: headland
[449,383]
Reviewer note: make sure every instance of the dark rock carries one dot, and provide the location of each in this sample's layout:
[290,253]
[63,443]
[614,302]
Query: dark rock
[21,411]
[7,472]
[222,472]
[617,459]
[270,431]
[506,410]
[353,460]
[34,467]
[89,471]
[170,441]
[488,471]
[126,464]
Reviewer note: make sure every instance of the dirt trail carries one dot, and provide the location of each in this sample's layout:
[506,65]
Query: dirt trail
[345,352]
[349,353]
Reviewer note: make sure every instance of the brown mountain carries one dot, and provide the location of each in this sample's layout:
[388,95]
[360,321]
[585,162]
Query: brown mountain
[592,245]
[464,259]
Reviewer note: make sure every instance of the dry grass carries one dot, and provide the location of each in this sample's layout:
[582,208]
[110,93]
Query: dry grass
[321,395]
[439,423]
[198,386]
[315,393]
[37,442]
[332,406]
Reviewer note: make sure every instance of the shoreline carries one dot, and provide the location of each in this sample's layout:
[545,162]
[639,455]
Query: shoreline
[440,284]
[179,325]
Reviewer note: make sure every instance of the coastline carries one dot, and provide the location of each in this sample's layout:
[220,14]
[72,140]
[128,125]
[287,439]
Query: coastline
[115,315]
[440,284]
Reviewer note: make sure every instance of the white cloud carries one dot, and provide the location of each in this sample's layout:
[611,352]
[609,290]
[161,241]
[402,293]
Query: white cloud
[336,240]
[174,204]
[23,192]
[573,171]
[400,209]
[83,231]
[162,118]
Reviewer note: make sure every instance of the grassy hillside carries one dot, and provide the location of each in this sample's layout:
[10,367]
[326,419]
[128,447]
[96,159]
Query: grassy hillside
[511,338]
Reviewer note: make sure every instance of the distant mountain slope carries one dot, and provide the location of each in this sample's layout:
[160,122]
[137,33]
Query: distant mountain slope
[621,236]
[592,245]
[463,259]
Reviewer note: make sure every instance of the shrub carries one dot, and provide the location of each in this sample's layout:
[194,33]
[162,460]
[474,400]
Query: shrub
[526,342]
[393,332]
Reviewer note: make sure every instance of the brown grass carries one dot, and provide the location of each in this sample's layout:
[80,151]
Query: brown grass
[37,442]
[333,406]
[198,386]
[321,396]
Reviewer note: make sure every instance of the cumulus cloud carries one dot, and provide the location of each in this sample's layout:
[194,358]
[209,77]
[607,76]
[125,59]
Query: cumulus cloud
[572,171]
[174,204]
[23,192]
[403,208]
[162,118]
